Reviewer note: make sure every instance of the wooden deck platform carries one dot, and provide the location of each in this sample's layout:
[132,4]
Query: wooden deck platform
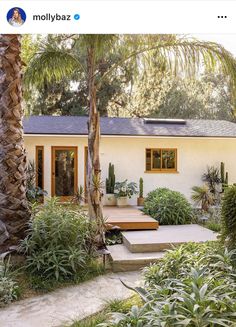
[128,218]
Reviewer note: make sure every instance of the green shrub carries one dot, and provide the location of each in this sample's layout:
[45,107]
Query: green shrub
[59,242]
[8,288]
[229,215]
[176,294]
[213,225]
[168,207]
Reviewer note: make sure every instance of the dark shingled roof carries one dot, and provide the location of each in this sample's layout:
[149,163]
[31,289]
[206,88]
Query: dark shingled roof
[77,125]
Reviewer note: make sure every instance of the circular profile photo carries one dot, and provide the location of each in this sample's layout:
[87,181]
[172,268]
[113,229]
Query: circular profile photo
[16,17]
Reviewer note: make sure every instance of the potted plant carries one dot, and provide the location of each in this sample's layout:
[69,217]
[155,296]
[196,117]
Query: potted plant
[140,200]
[110,199]
[123,191]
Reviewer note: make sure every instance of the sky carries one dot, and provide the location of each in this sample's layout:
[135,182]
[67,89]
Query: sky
[227,40]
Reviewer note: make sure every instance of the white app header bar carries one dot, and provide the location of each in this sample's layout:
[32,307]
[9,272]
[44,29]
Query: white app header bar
[114,16]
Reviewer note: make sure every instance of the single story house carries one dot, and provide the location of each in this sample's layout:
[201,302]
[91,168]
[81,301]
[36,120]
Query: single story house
[169,153]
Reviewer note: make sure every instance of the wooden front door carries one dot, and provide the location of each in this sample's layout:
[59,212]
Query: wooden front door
[64,172]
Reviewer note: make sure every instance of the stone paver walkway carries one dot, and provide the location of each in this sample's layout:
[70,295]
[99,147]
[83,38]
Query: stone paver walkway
[65,305]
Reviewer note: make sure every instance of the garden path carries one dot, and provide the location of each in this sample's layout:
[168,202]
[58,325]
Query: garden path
[67,304]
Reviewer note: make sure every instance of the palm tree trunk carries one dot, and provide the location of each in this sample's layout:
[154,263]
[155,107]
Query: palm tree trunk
[94,168]
[14,212]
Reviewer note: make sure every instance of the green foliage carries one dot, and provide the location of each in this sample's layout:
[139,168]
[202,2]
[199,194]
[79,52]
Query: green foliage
[41,284]
[141,187]
[123,189]
[168,207]
[59,243]
[9,290]
[121,306]
[176,294]
[179,261]
[203,196]
[111,180]
[207,97]
[229,215]
[134,73]
[213,225]
[114,237]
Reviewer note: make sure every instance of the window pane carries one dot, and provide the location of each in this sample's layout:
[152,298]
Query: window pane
[148,159]
[156,159]
[64,172]
[168,159]
[39,166]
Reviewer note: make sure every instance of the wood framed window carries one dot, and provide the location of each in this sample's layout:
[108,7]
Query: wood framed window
[64,174]
[39,166]
[161,160]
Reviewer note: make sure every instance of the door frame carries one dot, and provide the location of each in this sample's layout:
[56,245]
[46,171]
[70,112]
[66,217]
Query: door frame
[53,184]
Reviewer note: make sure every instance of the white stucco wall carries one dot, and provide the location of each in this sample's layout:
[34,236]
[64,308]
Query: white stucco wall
[128,156]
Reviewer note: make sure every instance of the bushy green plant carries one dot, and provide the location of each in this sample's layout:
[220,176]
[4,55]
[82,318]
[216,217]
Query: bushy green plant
[59,243]
[176,294]
[228,212]
[9,289]
[168,207]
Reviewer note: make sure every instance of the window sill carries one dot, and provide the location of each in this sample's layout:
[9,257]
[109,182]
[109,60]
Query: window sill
[161,172]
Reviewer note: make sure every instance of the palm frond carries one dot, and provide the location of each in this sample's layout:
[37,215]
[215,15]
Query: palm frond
[188,57]
[51,64]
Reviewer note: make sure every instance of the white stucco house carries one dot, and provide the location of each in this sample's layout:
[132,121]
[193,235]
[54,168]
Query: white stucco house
[166,153]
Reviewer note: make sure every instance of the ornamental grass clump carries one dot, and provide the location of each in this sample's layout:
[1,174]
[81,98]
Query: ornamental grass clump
[168,207]
[59,242]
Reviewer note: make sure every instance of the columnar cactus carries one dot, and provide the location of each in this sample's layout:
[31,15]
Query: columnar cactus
[224,176]
[111,180]
[141,187]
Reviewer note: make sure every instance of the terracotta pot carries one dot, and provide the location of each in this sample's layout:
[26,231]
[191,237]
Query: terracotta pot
[140,202]
[122,201]
[110,200]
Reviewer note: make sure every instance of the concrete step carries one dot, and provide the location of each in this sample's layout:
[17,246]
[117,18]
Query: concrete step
[165,237]
[123,260]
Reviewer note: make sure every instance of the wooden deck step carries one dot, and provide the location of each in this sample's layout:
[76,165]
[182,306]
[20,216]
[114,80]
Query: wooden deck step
[129,218]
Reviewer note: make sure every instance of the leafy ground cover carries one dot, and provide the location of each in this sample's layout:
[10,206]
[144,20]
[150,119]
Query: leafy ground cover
[193,285]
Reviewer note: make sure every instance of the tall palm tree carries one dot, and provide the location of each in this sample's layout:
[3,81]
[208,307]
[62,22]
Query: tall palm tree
[14,212]
[82,55]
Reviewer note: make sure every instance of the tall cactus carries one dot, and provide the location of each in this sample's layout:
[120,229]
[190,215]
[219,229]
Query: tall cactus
[141,187]
[111,180]
[224,176]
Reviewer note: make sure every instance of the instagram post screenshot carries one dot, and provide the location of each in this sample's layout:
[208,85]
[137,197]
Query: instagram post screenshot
[117,163]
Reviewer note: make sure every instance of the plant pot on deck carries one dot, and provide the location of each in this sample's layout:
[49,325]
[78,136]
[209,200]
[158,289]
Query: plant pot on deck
[122,201]
[140,202]
[110,200]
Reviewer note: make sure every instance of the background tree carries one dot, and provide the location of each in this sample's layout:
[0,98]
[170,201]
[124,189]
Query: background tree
[14,212]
